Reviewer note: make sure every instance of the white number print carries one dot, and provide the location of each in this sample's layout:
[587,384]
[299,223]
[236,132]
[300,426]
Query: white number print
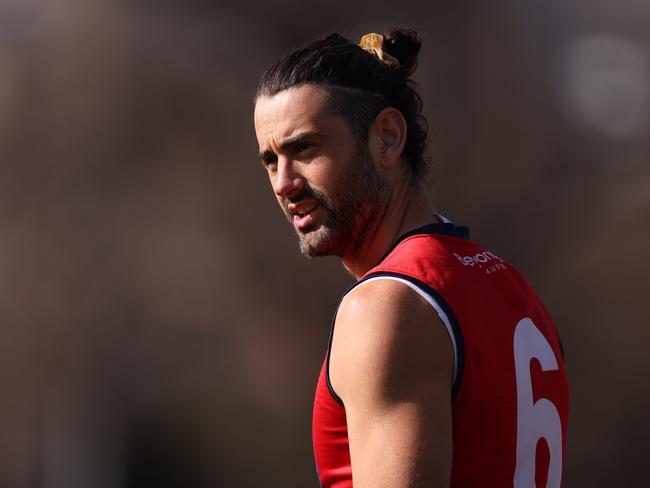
[535,419]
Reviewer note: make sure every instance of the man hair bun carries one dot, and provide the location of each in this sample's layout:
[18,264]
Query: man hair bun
[403,44]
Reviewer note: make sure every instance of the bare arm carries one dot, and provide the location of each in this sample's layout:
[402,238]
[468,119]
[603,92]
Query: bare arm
[391,364]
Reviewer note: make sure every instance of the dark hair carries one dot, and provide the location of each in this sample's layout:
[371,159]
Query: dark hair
[360,85]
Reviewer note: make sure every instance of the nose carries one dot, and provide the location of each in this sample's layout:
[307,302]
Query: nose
[287,181]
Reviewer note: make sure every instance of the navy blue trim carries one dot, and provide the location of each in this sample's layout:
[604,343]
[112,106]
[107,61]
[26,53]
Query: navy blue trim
[447,229]
[453,321]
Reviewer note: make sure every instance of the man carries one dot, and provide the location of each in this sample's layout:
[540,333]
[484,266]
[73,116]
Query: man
[443,368]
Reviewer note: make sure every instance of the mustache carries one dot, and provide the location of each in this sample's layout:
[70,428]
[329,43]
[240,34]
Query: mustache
[306,193]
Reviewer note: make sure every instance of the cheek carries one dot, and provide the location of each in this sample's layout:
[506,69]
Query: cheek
[324,175]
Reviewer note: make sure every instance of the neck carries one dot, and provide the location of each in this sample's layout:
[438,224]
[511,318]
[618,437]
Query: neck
[407,208]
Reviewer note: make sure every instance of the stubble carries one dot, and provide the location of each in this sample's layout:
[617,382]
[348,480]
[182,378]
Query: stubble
[351,210]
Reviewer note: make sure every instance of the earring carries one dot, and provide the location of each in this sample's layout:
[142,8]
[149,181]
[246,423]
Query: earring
[382,148]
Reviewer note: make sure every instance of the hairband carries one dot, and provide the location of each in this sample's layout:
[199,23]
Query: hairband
[374,44]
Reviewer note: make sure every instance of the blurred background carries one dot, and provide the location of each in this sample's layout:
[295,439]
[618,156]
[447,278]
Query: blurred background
[158,326]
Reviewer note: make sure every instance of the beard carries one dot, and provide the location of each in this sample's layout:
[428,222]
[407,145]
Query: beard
[351,210]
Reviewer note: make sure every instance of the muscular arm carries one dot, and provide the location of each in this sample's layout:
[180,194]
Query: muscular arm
[392,364]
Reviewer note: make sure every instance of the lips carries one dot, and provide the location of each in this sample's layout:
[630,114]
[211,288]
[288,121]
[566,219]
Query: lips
[302,213]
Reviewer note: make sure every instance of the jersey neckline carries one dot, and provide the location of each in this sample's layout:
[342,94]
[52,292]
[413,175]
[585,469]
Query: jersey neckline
[442,228]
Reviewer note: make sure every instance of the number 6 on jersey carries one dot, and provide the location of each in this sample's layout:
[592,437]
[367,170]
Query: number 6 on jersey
[535,419]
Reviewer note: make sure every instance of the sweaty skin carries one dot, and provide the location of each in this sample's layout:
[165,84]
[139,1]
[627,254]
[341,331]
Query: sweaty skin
[390,363]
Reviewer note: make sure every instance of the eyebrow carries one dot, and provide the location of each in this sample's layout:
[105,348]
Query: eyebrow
[288,142]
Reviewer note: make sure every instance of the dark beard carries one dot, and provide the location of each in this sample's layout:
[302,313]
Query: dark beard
[351,212]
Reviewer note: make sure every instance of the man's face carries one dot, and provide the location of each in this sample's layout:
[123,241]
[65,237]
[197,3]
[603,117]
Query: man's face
[326,184]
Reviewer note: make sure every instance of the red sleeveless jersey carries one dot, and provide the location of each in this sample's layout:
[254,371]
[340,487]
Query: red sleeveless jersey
[510,393]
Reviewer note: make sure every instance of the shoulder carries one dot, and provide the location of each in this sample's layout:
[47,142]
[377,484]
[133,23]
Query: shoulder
[378,296]
[387,334]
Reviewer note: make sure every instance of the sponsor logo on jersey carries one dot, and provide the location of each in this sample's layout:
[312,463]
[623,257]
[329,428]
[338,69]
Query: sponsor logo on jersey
[482,259]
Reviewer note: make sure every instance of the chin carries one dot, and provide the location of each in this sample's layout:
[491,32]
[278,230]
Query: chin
[311,251]
[318,244]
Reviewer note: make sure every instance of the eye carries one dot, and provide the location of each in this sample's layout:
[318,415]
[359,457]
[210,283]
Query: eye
[302,148]
[271,166]
[270,163]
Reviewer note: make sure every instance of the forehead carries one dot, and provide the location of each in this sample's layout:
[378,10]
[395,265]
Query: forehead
[288,112]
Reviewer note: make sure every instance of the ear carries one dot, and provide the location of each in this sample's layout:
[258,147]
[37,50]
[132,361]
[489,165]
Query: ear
[388,137]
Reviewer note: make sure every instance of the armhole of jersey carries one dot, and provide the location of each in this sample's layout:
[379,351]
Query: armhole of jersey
[439,305]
